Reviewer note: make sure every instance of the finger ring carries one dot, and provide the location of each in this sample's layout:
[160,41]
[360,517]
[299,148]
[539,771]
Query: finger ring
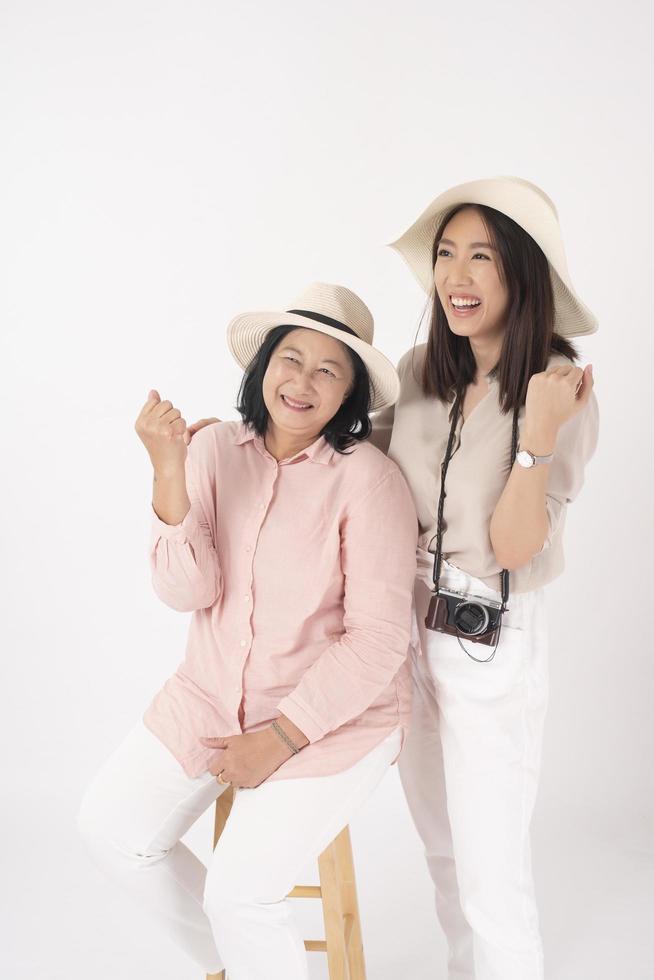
[225,782]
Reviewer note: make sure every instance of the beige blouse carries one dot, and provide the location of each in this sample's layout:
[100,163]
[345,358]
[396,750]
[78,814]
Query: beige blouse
[414,433]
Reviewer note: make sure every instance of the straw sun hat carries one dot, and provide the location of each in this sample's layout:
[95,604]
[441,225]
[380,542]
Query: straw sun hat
[529,207]
[333,310]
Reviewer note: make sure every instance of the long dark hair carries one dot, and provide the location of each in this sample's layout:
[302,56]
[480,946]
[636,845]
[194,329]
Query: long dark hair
[351,423]
[529,337]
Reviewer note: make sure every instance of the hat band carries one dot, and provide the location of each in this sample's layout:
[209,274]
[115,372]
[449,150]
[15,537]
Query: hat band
[327,320]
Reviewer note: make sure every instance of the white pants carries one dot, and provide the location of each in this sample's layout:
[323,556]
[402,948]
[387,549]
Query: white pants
[233,915]
[470,771]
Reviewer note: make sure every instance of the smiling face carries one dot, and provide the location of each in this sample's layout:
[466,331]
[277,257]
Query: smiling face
[308,378]
[467,278]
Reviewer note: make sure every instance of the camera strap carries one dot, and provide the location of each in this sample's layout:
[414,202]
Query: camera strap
[456,412]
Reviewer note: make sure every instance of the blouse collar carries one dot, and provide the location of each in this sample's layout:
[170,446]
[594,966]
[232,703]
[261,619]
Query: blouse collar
[319,451]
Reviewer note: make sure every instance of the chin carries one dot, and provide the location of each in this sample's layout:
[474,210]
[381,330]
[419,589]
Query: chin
[462,329]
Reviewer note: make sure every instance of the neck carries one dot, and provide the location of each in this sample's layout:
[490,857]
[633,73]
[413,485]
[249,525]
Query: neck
[486,352]
[284,445]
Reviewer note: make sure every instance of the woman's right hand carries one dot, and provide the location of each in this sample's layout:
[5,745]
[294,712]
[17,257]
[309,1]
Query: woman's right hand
[163,432]
[196,426]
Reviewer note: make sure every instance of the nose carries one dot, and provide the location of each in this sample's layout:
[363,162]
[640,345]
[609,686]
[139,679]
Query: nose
[459,273]
[304,380]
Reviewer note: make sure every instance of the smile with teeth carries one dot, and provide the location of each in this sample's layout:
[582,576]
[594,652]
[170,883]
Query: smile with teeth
[293,403]
[460,303]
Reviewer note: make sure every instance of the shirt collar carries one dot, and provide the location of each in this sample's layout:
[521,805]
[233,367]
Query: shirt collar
[319,451]
[491,380]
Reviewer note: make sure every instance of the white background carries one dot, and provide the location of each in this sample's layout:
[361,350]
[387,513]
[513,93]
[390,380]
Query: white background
[166,165]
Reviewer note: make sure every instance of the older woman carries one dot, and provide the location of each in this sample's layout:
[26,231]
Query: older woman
[292,541]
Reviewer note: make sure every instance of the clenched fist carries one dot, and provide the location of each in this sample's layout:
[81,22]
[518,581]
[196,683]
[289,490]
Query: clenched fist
[163,432]
[554,396]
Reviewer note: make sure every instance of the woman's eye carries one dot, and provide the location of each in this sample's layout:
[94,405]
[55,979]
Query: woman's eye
[477,255]
[287,357]
[327,371]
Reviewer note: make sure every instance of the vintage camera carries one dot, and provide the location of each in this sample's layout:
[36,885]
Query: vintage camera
[465,616]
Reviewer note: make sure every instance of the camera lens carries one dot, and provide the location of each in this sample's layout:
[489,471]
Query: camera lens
[471,618]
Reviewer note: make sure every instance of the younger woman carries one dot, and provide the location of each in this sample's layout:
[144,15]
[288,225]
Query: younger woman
[497,376]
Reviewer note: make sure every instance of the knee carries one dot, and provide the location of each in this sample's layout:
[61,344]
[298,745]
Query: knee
[233,883]
[106,824]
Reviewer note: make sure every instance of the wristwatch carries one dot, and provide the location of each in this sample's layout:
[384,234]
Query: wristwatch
[527,459]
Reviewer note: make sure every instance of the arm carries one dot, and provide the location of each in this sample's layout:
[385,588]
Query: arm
[184,564]
[378,542]
[531,506]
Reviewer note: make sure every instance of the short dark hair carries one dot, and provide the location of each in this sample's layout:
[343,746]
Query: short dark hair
[349,425]
[529,337]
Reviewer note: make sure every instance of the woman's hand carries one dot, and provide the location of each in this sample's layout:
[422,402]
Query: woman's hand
[553,397]
[162,430]
[247,760]
[196,426]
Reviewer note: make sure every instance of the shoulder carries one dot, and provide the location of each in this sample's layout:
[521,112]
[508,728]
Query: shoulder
[410,370]
[410,365]
[209,440]
[366,462]
[367,469]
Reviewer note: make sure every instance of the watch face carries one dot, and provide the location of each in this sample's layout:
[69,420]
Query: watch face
[525,458]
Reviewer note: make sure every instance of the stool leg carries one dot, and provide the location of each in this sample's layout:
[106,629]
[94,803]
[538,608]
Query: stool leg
[332,911]
[350,906]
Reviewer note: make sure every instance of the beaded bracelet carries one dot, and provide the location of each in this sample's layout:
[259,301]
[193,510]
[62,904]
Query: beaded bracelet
[282,734]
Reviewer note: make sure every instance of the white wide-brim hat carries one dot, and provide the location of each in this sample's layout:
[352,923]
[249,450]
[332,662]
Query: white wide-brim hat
[333,310]
[533,210]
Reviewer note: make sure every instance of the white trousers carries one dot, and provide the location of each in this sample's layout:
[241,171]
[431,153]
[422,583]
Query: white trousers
[233,915]
[469,770]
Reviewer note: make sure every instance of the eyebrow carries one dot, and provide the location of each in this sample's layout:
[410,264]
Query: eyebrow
[448,241]
[323,360]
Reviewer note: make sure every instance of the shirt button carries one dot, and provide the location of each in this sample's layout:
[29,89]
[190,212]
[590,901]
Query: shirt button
[246,598]
[248,548]
[244,643]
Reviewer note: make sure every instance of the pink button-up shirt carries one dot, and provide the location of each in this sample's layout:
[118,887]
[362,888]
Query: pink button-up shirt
[299,574]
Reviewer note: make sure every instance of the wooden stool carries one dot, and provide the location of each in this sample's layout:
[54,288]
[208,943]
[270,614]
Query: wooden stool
[340,908]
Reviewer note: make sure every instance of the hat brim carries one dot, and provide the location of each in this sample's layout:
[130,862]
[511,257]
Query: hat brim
[247,331]
[527,205]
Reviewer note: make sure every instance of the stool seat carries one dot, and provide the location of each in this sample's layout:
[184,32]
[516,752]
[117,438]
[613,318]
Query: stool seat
[337,890]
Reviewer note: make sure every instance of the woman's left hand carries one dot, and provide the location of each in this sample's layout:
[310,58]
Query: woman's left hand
[247,760]
[553,397]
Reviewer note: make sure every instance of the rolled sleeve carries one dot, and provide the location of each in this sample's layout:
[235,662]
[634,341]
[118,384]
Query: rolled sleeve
[575,445]
[184,563]
[378,554]
[181,532]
